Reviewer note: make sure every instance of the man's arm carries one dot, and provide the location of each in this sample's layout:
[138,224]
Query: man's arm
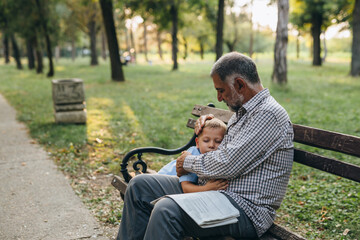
[214,184]
[243,152]
[180,162]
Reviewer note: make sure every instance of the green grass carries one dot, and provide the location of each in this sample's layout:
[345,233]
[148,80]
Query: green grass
[152,106]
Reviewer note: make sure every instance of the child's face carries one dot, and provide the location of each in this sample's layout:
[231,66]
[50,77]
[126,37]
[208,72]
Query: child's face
[209,139]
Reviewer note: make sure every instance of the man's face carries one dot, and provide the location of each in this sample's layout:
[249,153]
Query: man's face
[227,93]
[209,139]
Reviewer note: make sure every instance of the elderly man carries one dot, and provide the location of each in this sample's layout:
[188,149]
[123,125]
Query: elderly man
[255,156]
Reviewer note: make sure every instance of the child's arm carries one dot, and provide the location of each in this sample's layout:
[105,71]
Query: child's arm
[214,184]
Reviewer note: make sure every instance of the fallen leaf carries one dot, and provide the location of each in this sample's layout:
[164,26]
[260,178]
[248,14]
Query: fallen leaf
[346,232]
[304,178]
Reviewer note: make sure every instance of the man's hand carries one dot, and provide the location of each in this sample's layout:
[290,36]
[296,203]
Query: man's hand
[180,162]
[201,122]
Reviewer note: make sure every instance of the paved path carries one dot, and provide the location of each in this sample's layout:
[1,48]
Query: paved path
[36,200]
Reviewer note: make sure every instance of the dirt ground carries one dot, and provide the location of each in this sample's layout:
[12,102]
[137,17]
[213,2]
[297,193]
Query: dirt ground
[101,198]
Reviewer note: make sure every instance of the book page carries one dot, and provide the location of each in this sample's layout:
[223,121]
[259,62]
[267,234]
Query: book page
[207,209]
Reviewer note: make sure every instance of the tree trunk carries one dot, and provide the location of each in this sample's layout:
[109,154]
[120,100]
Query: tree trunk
[39,60]
[6,49]
[92,35]
[47,39]
[38,55]
[316,20]
[73,50]
[174,15]
[185,48]
[57,53]
[30,54]
[158,37]
[49,53]
[16,52]
[298,46]
[117,73]
[355,50]
[103,44]
[230,45]
[280,63]
[251,43]
[145,42]
[323,59]
[132,39]
[219,30]
[202,50]
[127,41]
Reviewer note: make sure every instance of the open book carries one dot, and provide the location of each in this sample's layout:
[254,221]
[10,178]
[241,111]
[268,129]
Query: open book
[207,209]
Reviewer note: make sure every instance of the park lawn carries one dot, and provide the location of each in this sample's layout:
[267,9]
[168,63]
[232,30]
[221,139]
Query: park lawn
[151,108]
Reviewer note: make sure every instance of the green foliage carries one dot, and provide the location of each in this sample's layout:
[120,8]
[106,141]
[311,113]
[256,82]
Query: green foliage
[22,17]
[303,11]
[197,31]
[151,109]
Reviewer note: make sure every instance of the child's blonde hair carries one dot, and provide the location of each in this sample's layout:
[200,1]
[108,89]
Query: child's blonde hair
[215,123]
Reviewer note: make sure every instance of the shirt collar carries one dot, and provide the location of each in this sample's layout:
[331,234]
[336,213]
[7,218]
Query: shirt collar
[253,102]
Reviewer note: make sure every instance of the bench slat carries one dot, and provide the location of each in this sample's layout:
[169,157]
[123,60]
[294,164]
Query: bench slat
[191,123]
[339,168]
[223,115]
[327,140]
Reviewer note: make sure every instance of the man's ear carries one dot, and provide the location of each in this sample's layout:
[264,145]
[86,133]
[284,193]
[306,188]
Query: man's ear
[239,84]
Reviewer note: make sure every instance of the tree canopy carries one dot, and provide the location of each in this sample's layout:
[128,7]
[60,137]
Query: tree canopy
[318,15]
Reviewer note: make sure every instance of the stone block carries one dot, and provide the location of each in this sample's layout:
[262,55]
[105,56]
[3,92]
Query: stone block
[66,91]
[69,100]
[69,107]
[70,117]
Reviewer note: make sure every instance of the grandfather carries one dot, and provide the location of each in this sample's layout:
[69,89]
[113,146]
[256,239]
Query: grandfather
[255,156]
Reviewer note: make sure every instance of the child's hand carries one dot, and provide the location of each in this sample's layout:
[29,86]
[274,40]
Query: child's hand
[217,184]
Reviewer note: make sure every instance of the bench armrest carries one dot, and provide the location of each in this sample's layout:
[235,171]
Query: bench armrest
[140,151]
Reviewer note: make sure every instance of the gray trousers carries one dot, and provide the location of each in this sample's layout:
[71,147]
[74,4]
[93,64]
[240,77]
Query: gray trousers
[166,220]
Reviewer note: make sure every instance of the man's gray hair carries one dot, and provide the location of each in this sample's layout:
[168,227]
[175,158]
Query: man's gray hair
[237,65]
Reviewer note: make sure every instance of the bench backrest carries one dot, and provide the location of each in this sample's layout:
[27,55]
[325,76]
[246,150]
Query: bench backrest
[337,142]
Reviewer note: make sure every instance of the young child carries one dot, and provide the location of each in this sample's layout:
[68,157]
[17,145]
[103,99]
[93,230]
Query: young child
[208,140]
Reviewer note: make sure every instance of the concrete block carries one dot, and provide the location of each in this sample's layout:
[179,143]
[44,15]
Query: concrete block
[70,117]
[65,91]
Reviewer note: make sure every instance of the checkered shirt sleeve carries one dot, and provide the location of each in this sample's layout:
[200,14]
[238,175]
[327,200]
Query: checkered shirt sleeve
[256,156]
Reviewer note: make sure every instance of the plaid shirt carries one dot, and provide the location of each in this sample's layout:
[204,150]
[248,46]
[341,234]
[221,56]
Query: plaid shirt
[256,156]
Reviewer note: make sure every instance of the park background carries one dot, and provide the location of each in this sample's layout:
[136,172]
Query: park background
[148,102]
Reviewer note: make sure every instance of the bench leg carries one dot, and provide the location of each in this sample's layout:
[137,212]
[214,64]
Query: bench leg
[120,185]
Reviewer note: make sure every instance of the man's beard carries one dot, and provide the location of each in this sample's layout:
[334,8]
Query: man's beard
[236,100]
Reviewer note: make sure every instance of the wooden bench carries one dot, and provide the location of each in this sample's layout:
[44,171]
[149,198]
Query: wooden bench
[318,138]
